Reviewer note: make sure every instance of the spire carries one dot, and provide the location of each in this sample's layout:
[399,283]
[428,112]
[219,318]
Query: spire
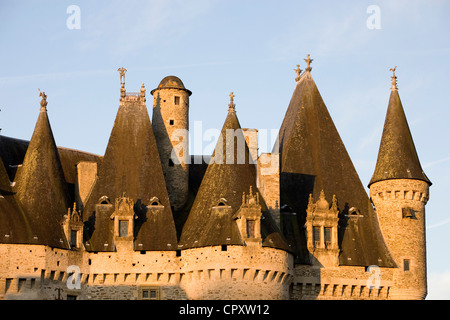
[40,184]
[227,178]
[397,156]
[313,158]
[131,164]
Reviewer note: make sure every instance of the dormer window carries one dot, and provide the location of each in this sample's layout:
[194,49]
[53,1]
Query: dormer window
[123,228]
[251,228]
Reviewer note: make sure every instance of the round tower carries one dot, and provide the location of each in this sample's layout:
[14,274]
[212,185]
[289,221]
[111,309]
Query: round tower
[399,190]
[170,123]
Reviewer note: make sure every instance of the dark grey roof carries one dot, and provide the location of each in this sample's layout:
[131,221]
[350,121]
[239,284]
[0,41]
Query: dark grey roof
[41,187]
[313,158]
[15,226]
[132,165]
[227,181]
[397,157]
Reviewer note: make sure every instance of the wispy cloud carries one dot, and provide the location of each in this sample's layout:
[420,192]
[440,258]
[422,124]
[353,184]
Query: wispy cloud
[433,163]
[127,26]
[439,224]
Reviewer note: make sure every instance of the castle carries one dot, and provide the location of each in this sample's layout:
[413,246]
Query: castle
[148,221]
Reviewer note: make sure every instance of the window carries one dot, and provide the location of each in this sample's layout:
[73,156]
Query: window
[171,122]
[123,228]
[250,228]
[73,238]
[327,236]
[224,247]
[406,265]
[176,100]
[171,164]
[316,237]
[71,297]
[150,294]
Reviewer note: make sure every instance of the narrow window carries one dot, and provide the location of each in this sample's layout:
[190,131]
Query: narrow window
[171,164]
[171,122]
[316,237]
[73,238]
[406,265]
[327,236]
[177,100]
[250,228]
[224,247]
[123,228]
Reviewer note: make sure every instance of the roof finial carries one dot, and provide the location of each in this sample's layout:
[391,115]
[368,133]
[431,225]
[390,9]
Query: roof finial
[308,63]
[394,79]
[43,101]
[298,71]
[231,106]
[122,71]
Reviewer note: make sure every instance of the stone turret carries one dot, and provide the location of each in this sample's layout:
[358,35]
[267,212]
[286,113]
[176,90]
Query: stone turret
[399,191]
[170,122]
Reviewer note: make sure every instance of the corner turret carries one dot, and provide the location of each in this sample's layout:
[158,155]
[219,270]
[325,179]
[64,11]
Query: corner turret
[399,190]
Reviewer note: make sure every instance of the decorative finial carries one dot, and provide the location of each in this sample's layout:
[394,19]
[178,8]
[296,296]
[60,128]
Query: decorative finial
[308,63]
[142,91]
[43,101]
[231,106]
[122,71]
[394,79]
[298,71]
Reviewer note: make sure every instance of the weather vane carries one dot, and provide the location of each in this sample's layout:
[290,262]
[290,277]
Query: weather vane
[44,99]
[394,78]
[231,105]
[298,71]
[308,63]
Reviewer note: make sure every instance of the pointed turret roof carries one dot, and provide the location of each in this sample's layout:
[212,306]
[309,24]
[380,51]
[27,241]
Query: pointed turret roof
[313,158]
[40,185]
[230,173]
[397,156]
[132,165]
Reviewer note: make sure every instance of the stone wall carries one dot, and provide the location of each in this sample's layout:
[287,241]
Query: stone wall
[400,206]
[40,272]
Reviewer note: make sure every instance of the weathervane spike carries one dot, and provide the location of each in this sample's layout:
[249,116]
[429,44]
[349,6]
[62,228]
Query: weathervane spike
[308,63]
[298,71]
[43,101]
[394,79]
[231,106]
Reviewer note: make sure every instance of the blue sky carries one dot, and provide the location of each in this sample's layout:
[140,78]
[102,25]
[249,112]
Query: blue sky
[251,48]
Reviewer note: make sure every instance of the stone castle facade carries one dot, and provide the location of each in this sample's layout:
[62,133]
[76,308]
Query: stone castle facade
[147,221]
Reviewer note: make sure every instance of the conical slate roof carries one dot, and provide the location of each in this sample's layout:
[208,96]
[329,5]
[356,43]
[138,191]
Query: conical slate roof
[397,156]
[40,185]
[313,158]
[230,173]
[131,165]
[15,226]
